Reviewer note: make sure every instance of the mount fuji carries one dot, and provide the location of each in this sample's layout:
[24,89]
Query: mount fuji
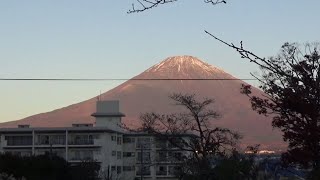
[149,91]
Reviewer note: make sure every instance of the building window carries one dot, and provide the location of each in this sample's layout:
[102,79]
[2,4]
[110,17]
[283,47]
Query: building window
[58,139]
[174,156]
[113,168]
[113,138]
[145,171]
[173,170]
[128,154]
[80,155]
[119,139]
[18,140]
[161,171]
[128,168]
[118,154]
[81,139]
[144,143]
[145,157]
[118,169]
[128,140]
[113,153]
[45,139]
[161,143]
[161,156]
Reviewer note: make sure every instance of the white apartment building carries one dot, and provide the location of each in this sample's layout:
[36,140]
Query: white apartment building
[118,151]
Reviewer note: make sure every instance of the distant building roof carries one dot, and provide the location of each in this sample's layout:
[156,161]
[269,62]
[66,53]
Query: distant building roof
[56,129]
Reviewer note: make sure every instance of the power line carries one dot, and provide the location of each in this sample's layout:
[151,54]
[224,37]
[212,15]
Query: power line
[125,79]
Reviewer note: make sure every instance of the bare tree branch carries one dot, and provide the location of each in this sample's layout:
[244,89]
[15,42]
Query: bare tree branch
[191,132]
[144,5]
[215,2]
[291,83]
[147,4]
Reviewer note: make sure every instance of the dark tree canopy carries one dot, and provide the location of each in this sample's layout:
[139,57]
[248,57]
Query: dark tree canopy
[46,167]
[237,166]
[291,83]
[143,5]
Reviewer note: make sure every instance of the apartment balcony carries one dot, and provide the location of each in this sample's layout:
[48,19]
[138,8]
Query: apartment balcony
[81,142]
[56,152]
[168,157]
[50,140]
[46,144]
[17,142]
[17,145]
[81,156]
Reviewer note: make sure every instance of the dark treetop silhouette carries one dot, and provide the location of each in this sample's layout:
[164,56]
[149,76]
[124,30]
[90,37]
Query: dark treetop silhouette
[291,82]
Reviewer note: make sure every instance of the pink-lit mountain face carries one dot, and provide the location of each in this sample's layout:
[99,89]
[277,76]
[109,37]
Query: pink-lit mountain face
[140,96]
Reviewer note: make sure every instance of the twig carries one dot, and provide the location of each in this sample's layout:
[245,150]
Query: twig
[149,4]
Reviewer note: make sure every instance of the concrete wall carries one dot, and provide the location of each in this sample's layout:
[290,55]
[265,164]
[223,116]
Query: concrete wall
[113,123]
[107,106]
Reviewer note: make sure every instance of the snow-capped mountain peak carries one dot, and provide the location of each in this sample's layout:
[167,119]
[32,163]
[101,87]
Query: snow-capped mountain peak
[188,66]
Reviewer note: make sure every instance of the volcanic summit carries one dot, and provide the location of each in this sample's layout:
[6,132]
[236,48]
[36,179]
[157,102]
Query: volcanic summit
[149,91]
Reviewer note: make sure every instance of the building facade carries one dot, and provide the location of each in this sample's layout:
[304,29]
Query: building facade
[121,154]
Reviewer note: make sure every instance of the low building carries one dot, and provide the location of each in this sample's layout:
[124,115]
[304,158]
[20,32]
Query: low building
[121,154]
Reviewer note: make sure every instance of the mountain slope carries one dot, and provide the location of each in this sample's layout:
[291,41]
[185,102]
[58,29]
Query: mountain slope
[137,96]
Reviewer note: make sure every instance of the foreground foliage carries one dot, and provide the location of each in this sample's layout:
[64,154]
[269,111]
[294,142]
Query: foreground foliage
[291,83]
[45,167]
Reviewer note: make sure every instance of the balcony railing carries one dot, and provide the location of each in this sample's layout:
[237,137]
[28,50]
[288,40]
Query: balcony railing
[52,142]
[81,142]
[85,156]
[144,172]
[21,143]
[19,140]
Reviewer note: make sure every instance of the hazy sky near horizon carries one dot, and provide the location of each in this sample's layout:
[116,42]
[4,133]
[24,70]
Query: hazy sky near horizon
[98,39]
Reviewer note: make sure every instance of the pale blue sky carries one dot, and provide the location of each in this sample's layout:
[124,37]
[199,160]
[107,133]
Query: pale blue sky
[98,39]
